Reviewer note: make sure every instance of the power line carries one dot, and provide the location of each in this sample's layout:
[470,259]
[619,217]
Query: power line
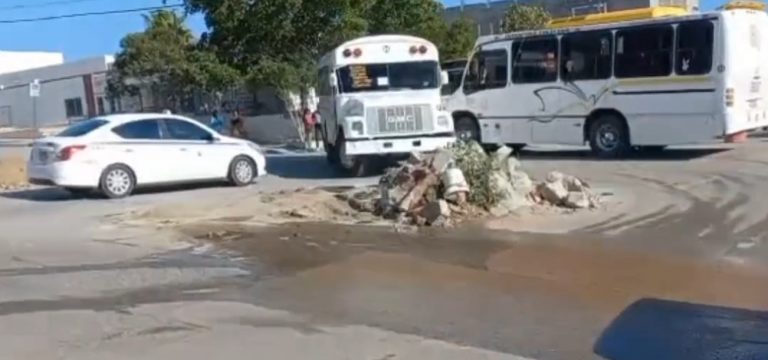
[45,4]
[95,13]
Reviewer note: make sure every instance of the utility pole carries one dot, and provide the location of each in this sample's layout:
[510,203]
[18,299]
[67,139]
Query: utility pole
[34,93]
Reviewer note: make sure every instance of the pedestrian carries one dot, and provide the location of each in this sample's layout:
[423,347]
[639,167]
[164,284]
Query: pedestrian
[318,127]
[309,126]
[237,126]
[216,123]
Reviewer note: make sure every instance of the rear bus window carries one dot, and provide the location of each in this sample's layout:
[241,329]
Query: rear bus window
[694,47]
[644,52]
[82,128]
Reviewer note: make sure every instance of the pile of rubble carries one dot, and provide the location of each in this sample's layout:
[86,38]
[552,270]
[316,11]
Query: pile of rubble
[448,186]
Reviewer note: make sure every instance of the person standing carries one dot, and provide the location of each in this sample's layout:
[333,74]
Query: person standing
[309,126]
[237,126]
[318,127]
[216,123]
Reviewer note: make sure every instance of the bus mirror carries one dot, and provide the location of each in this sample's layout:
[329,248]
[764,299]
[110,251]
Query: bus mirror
[333,80]
[444,77]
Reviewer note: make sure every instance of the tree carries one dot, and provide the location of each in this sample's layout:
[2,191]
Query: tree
[421,18]
[526,17]
[276,42]
[458,40]
[166,60]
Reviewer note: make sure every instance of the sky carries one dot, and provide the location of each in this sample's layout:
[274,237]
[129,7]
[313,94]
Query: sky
[84,37]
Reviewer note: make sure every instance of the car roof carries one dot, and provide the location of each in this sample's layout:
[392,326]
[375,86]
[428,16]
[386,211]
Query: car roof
[116,119]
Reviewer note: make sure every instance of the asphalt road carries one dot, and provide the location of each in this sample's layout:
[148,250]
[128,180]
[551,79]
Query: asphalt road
[674,270]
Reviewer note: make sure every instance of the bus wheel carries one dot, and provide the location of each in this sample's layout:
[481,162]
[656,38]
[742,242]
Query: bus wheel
[466,129]
[355,166]
[609,137]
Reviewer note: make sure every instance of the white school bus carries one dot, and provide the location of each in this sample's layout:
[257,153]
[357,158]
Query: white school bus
[643,78]
[380,96]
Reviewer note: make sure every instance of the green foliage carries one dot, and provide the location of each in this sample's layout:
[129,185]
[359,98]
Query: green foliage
[459,39]
[277,42]
[421,18]
[166,60]
[526,17]
[478,167]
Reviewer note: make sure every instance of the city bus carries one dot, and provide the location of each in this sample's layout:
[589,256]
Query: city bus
[635,79]
[379,96]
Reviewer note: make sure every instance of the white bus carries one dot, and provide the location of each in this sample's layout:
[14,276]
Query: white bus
[647,83]
[380,95]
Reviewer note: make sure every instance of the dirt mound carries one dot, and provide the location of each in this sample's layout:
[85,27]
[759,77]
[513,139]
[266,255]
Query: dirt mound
[13,172]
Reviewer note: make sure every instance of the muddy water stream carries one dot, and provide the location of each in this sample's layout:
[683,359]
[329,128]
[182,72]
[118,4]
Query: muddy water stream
[543,296]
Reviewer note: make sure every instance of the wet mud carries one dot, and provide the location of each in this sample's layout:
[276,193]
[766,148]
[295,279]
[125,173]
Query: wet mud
[543,296]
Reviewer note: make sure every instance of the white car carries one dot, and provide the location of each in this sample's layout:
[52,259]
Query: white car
[117,153]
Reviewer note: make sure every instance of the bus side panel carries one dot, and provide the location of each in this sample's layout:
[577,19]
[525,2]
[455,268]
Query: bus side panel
[746,69]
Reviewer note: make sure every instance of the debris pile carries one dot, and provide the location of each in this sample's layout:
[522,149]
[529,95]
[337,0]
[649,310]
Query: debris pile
[450,185]
[13,174]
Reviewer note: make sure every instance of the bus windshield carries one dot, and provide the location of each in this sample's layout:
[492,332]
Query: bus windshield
[414,75]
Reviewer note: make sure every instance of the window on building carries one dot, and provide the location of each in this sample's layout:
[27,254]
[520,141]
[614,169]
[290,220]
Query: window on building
[694,47]
[487,70]
[185,130]
[534,61]
[100,105]
[74,107]
[586,55]
[139,130]
[644,52]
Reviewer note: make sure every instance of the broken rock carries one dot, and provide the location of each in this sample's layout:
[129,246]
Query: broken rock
[511,199]
[554,192]
[436,212]
[442,160]
[577,200]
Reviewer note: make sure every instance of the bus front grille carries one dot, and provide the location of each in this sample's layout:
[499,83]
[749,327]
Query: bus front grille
[401,119]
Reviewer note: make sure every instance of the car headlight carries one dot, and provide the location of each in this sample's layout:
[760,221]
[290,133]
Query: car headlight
[357,126]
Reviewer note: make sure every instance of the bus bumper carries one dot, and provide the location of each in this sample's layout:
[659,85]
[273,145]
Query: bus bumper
[395,145]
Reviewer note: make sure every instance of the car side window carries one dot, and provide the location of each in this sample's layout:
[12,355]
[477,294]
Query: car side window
[184,130]
[139,130]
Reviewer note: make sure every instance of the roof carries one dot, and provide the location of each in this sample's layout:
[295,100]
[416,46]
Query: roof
[122,118]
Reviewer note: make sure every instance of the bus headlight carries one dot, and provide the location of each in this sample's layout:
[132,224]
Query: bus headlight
[357,126]
[443,121]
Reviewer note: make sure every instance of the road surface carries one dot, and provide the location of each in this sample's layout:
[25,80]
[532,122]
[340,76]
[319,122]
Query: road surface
[675,269]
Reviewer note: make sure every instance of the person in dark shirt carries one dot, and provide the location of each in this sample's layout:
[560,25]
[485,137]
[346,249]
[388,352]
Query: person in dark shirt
[237,125]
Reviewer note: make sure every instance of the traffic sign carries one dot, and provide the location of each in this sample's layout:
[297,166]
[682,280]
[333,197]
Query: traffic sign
[34,88]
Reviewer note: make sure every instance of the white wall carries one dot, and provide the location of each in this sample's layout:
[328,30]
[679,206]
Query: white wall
[13,61]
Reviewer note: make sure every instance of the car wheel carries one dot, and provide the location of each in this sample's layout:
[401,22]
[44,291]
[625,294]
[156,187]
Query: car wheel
[242,171]
[117,181]
[609,136]
[466,129]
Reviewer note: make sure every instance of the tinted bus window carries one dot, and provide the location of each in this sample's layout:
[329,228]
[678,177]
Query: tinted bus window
[644,52]
[587,55]
[534,61]
[694,47]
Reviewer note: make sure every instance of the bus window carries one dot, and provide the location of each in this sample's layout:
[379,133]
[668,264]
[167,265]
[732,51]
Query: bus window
[487,70]
[644,52]
[694,47]
[587,55]
[534,61]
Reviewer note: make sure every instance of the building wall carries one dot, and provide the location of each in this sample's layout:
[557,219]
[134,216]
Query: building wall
[80,82]
[13,61]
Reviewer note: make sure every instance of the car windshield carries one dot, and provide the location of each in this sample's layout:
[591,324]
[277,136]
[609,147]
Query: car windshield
[82,127]
[414,75]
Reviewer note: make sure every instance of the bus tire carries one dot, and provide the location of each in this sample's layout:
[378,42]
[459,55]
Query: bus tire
[466,128]
[609,136]
[355,166]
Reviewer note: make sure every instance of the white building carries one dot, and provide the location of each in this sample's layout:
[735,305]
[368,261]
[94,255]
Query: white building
[68,91]
[13,61]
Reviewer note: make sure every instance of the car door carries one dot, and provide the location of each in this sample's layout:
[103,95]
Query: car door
[204,155]
[141,148]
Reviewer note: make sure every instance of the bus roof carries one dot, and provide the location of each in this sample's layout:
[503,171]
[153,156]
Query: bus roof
[375,46]
[641,17]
